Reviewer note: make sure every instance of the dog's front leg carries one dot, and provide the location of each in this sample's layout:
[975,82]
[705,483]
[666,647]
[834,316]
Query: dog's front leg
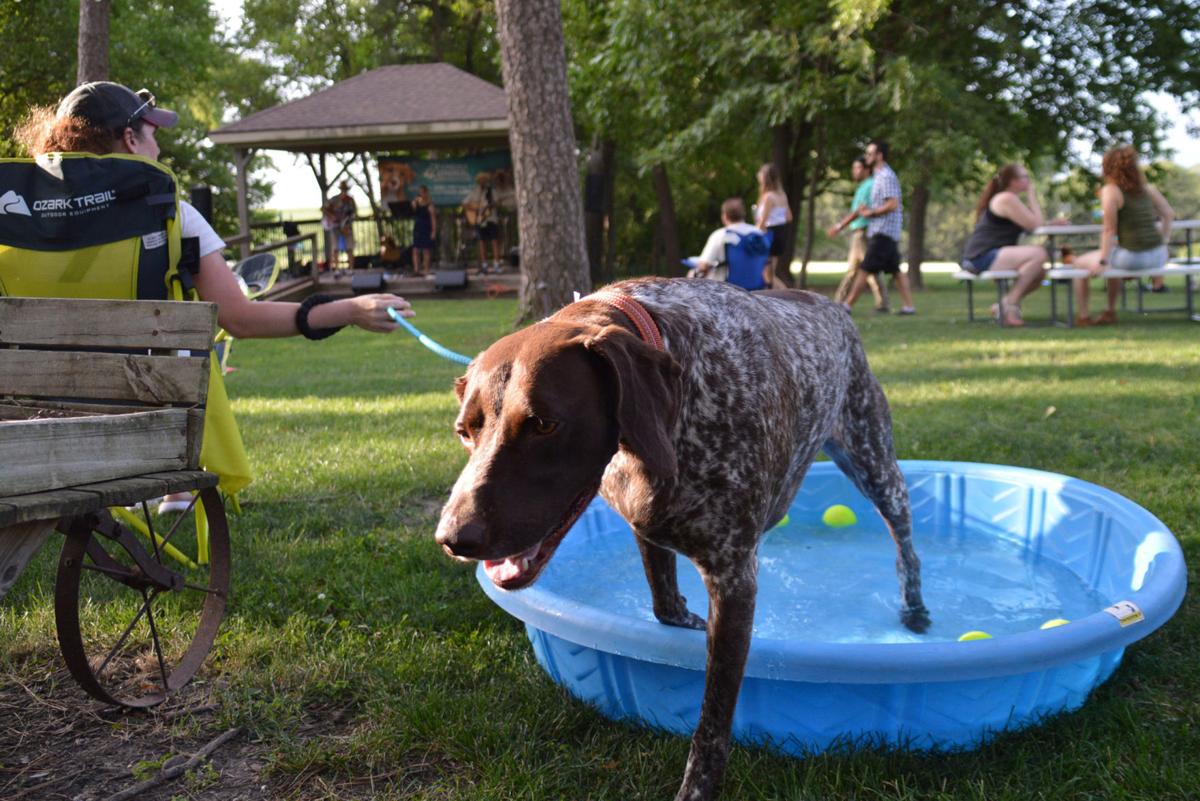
[670,606]
[731,593]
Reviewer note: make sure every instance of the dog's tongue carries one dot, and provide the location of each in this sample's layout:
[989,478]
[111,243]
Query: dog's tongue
[502,570]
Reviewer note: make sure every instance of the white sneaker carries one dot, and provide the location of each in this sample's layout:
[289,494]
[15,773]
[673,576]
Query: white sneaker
[171,504]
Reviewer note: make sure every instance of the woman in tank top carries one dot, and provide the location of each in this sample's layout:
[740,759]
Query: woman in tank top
[772,214]
[1137,227]
[1001,216]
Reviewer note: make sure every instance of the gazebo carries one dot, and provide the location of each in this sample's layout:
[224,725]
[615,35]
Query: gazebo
[399,107]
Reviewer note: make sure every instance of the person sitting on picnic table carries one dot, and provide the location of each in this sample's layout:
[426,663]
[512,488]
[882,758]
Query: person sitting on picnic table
[1000,219]
[1136,229]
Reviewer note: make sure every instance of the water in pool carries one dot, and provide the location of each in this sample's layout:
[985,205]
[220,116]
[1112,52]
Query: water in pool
[839,585]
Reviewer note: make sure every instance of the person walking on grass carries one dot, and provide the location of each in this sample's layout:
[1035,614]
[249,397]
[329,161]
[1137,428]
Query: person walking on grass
[1000,218]
[857,225]
[1137,228]
[885,220]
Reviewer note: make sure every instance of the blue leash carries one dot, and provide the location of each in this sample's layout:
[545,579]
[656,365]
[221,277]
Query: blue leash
[444,352]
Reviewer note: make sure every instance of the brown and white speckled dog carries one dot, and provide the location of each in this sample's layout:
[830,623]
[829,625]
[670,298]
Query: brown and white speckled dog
[700,445]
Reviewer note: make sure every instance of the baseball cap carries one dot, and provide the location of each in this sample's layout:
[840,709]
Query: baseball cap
[114,107]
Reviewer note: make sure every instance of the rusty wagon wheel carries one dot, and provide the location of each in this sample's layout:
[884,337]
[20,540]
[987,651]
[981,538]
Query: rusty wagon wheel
[137,614]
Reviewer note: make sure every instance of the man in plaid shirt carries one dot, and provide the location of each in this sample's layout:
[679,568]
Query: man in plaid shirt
[885,218]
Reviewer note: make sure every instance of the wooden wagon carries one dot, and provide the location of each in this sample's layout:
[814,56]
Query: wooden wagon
[101,412]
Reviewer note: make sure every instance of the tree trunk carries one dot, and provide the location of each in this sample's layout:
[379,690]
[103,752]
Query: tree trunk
[667,222]
[437,30]
[376,211]
[782,140]
[93,40]
[810,225]
[549,212]
[608,151]
[916,231]
[593,211]
[799,167]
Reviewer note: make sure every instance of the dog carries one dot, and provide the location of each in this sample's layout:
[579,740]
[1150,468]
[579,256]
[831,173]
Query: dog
[394,178]
[695,411]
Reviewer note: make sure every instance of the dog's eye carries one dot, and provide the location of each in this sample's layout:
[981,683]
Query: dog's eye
[464,436]
[544,427]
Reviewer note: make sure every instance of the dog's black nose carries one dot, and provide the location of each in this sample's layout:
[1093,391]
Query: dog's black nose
[466,539]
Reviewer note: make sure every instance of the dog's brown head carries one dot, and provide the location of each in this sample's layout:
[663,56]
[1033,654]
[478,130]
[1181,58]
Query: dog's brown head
[542,413]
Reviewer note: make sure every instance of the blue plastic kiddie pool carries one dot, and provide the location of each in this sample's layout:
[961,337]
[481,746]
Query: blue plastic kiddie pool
[1003,550]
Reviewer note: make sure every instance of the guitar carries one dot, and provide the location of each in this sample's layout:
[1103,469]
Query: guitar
[479,213]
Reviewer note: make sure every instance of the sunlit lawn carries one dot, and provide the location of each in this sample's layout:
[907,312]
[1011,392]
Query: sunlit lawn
[342,599]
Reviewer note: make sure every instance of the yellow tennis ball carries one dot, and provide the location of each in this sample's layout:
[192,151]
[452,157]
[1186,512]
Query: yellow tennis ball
[782,522]
[974,635]
[838,516]
[1055,623]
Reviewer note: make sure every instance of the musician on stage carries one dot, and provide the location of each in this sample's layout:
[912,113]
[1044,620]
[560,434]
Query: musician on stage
[481,210]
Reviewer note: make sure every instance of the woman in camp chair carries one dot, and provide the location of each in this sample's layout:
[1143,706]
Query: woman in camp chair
[107,118]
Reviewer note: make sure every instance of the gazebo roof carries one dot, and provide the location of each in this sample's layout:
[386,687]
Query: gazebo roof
[409,106]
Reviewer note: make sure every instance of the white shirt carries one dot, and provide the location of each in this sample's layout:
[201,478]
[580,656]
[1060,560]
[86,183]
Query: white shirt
[193,224]
[714,248]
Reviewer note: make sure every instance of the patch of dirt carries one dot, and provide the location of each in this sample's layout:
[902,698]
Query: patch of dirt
[56,744]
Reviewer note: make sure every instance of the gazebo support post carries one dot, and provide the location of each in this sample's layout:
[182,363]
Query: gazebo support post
[242,158]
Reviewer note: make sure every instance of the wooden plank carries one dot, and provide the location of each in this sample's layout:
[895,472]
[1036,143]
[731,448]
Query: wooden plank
[90,497]
[64,322]
[18,544]
[157,380]
[40,455]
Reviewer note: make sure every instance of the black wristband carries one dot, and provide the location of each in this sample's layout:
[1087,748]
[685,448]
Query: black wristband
[302,318]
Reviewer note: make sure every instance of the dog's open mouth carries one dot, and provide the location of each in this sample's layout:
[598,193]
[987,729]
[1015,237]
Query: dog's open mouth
[522,569]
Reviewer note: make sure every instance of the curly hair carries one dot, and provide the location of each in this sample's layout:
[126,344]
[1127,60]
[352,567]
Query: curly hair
[1120,167]
[44,132]
[1002,180]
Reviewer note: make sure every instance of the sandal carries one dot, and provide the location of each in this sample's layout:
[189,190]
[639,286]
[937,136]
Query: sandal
[1106,317]
[1083,321]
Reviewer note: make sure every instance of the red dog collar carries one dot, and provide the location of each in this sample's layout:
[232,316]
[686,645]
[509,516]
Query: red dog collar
[636,313]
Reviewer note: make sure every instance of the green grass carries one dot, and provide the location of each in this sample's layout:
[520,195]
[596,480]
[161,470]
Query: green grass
[343,601]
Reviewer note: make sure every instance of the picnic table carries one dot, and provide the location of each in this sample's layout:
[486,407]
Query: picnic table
[1186,267]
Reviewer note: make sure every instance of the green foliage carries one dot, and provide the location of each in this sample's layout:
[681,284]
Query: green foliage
[172,48]
[319,42]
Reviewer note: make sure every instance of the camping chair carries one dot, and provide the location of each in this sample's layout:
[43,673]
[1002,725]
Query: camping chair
[746,256]
[77,225]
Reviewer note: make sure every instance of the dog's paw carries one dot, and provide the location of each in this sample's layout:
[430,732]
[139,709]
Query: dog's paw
[915,619]
[681,617]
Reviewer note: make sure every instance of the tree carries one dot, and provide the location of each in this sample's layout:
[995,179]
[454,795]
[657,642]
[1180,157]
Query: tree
[171,47]
[553,256]
[93,40]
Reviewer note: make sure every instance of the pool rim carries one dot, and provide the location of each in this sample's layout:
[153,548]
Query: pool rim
[1160,596]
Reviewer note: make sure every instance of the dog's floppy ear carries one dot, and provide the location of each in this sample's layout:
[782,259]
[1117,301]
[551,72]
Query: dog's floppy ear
[648,389]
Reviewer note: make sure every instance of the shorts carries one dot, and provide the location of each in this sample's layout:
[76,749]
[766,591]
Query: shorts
[776,232]
[883,255]
[858,248]
[980,264]
[346,240]
[488,232]
[1152,259]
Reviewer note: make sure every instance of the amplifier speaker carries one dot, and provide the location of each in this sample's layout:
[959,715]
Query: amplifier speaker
[366,283]
[450,279]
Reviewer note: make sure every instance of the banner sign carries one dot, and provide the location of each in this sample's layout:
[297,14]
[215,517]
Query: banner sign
[449,180]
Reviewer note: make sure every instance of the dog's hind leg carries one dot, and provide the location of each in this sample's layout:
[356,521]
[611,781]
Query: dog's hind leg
[670,606]
[732,585]
[862,448]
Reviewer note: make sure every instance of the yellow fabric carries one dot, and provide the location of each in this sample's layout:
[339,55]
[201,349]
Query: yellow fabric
[110,271]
